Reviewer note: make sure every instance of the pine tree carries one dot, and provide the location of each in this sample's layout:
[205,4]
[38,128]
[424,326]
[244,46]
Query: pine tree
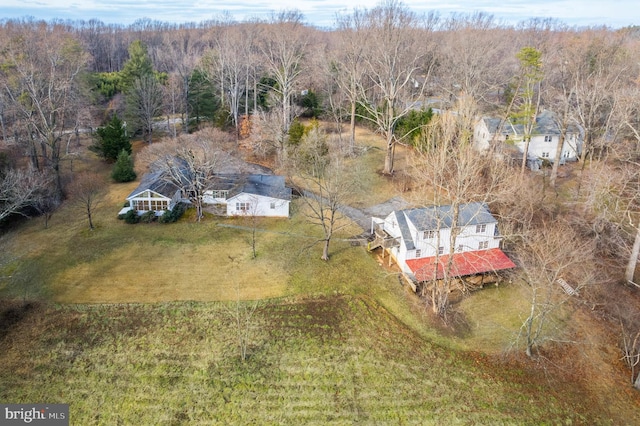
[137,66]
[123,169]
[111,139]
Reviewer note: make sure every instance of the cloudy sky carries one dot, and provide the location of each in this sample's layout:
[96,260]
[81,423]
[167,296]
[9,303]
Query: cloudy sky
[321,13]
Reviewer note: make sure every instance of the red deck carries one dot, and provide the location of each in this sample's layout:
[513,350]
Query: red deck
[468,263]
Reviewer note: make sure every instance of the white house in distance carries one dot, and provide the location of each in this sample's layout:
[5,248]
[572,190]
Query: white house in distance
[419,241]
[238,194]
[545,138]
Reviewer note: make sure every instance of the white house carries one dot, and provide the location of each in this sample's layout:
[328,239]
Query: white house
[251,195]
[153,194]
[544,138]
[420,241]
[238,194]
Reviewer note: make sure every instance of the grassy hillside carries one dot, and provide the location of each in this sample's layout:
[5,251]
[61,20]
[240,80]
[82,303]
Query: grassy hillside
[324,360]
[144,329]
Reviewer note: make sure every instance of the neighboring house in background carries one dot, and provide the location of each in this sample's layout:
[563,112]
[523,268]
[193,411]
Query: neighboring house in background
[545,138]
[238,194]
[419,241]
[153,194]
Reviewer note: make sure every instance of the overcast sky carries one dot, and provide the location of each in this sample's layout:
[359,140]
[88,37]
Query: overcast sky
[321,13]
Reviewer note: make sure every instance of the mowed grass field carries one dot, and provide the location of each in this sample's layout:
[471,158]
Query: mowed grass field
[324,360]
[138,324]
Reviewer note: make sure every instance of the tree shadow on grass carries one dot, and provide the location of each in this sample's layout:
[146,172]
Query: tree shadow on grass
[11,314]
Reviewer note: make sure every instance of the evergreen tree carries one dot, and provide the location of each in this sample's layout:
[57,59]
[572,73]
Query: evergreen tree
[202,101]
[111,139]
[139,65]
[123,169]
[296,132]
[410,127]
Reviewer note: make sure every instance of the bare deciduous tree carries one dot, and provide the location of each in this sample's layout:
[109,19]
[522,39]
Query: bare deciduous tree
[554,265]
[20,189]
[326,186]
[40,79]
[191,168]
[347,67]
[283,43]
[474,57]
[398,58]
[87,191]
[631,354]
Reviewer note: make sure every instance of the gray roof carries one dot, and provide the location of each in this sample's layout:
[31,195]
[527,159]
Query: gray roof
[441,217]
[267,186]
[407,238]
[264,185]
[545,125]
[155,182]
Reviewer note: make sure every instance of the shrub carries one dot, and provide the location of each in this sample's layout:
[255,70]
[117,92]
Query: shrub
[174,214]
[148,217]
[296,132]
[131,217]
[123,169]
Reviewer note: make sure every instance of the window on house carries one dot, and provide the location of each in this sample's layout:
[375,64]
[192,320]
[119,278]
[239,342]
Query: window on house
[159,205]
[460,248]
[548,138]
[480,229]
[220,193]
[441,250]
[242,207]
[272,205]
[418,253]
[545,155]
[483,245]
[140,205]
[429,234]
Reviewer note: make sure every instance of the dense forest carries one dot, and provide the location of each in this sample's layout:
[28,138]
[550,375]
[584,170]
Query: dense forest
[419,81]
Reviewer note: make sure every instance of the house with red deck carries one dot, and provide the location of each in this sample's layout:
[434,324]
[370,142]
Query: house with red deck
[437,242]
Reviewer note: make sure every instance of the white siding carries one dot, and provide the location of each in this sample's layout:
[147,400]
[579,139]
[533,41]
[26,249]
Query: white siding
[146,198]
[538,147]
[257,205]
[481,136]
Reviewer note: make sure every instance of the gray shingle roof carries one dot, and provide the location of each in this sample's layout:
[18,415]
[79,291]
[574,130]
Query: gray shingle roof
[545,125]
[407,238]
[428,218]
[154,182]
[264,185]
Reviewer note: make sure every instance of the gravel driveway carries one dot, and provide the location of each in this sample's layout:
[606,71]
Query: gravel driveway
[363,216]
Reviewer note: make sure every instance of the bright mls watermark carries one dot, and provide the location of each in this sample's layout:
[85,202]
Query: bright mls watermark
[36,414]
